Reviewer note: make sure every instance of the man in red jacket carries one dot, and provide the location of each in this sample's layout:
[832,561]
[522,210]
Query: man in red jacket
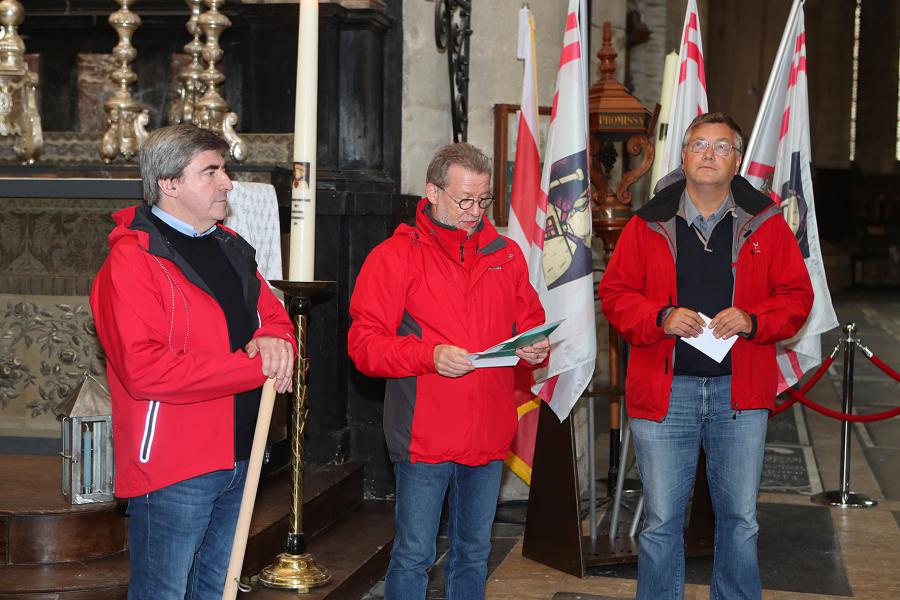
[424,299]
[707,245]
[191,331]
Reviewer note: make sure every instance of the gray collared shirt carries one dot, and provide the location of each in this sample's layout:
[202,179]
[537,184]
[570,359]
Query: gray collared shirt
[691,214]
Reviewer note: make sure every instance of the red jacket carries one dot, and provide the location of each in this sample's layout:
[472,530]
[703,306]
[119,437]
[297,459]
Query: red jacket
[771,283]
[430,285]
[171,373]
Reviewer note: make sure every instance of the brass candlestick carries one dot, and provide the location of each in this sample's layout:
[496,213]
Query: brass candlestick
[127,120]
[18,108]
[211,110]
[182,110]
[295,569]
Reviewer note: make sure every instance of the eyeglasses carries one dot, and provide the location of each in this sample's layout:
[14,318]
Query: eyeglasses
[720,148]
[467,203]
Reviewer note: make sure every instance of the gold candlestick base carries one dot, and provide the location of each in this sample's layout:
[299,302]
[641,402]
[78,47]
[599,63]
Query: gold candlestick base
[298,572]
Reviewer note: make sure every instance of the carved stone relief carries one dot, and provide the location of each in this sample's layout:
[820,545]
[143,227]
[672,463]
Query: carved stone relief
[47,344]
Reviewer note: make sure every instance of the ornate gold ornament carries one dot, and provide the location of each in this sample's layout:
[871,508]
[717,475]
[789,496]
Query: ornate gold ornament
[211,110]
[127,120]
[18,85]
[192,87]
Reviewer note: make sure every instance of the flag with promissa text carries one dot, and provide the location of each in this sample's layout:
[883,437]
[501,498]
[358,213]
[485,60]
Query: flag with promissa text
[526,218]
[689,89]
[778,162]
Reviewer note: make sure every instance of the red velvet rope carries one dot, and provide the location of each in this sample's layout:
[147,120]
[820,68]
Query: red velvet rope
[805,388]
[796,397]
[799,395]
[883,366]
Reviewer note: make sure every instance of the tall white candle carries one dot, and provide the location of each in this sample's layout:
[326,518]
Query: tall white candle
[662,122]
[303,184]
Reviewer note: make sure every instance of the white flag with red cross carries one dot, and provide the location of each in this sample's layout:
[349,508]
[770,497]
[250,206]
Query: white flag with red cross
[689,93]
[777,161]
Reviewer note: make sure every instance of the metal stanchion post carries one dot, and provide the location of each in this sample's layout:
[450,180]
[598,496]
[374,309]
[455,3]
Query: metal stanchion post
[620,485]
[636,519]
[843,497]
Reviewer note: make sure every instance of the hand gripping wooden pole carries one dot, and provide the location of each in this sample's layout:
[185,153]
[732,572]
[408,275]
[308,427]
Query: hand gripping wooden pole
[239,545]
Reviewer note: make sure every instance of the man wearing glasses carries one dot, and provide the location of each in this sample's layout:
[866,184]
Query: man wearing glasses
[425,299]
[708,244]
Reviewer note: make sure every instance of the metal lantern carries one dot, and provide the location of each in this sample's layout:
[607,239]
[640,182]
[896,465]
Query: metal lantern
[87,447]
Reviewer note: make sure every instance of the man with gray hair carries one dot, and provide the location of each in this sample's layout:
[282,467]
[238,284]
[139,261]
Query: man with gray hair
[708,254]
[425,299]
[191,331]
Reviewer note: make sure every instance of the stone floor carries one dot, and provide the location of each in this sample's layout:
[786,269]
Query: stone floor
[806,551]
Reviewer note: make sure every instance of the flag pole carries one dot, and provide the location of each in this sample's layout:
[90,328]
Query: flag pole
[767,95]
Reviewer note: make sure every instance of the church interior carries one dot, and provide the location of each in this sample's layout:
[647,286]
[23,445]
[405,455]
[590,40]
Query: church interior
[82,81]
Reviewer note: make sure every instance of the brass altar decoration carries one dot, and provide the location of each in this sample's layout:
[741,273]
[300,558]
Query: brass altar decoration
[191,87]
[18,85]
[87,447]
[211,111]
[615,117]
[127,120]
[295,568]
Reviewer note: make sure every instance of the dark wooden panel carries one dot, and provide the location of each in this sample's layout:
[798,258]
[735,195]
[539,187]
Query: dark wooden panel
[553,521]
[4,540]
[55,187]
[59,538]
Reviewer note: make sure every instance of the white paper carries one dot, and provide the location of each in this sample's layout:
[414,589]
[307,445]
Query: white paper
[706,343]
[493,361]
[503,354]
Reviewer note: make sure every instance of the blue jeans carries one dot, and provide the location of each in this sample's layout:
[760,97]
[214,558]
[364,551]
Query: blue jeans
[472,502]
[180,537]
[700,412]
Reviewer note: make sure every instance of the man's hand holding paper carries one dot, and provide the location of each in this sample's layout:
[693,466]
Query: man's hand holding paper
[535,353]
[532,346]
[709,341]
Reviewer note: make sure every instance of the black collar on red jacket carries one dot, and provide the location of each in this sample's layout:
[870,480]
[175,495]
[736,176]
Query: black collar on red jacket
[239,253]
[664,205]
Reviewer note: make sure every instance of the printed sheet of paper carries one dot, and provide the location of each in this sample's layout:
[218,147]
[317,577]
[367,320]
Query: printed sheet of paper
[504,353]
[706,343]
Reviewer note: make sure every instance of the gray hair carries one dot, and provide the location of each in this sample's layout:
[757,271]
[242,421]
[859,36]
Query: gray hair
[465,155]
[168,150]
[711,118]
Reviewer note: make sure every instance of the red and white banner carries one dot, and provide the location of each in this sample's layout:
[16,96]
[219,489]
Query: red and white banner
[526,227]
[777,161]
[565,281]
[689,90]
[550,219]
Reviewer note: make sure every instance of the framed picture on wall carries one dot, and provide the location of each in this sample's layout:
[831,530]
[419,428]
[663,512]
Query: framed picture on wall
[506,129]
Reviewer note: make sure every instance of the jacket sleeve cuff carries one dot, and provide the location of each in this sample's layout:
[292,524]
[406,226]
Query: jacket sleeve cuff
[664,313]
[428,357]
[749,336]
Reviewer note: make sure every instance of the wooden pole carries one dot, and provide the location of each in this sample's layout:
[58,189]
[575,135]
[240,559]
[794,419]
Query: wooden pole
[239,545]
